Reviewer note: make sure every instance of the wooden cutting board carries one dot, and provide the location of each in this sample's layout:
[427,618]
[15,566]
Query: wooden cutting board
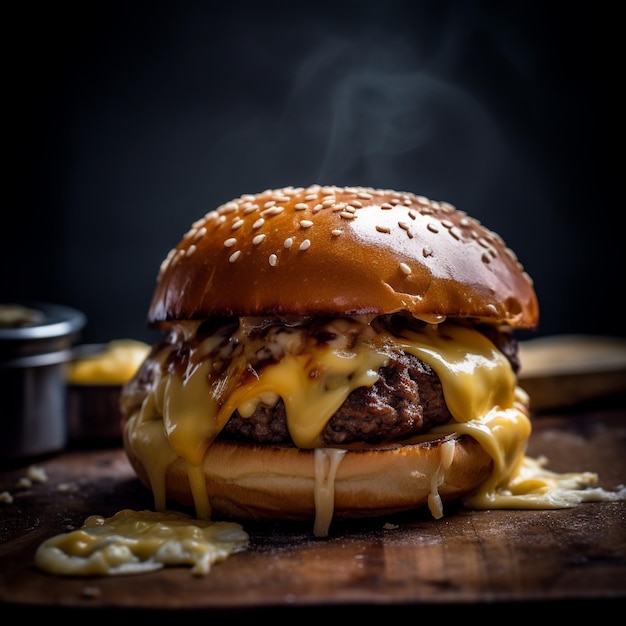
[475,557]
[567,370]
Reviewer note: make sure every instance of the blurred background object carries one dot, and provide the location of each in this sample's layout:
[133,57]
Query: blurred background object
[36,343]
[126,121]
[95,376]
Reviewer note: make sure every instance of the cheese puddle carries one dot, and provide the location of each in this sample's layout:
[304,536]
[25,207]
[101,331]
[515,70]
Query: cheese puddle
[135,542]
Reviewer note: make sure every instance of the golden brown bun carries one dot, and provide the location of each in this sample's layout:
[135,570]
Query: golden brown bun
[255,482]
[340,250]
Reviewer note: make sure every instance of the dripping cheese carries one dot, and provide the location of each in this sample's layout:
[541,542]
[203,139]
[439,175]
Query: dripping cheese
[185,411]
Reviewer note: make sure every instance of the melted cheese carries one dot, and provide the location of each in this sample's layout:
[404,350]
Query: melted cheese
[435,504]
[327,462]
[186,412]
[133,542]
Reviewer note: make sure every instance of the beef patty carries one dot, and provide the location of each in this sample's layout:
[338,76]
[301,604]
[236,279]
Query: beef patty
[406,400]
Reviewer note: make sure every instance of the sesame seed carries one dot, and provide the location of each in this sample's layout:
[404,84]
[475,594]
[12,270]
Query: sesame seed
[403,225]
[305,245]
[317,207]
[273,260]
[404,268]
[383,229]
[455,232]
[310,197]
[190,250]
[447,223]
[427,251]
[485,258]
[386,206]
[492,308]
[258,239]
[230,242]
[258,223]
[511,253]
[201,233]
[273,210]
[347,215]
[412,214]
[234,256]
[306,223]
[238,223]
[167,259]
[269,204]
[227,208]
[336,232]
[432,227]
[364,195]
[301,206]
[288,242]
[327,203]
[250,209]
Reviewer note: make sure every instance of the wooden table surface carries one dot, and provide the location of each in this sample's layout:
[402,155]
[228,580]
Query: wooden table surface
[468,558]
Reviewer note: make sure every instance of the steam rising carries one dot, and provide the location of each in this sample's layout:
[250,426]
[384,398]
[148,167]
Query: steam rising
[369,110]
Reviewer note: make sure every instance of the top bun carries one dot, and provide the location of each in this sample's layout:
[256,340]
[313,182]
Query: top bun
[342,251]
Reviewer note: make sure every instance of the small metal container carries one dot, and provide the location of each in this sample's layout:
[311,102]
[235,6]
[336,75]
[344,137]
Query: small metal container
[36,340]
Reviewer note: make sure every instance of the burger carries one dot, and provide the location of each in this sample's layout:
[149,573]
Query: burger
[330,353]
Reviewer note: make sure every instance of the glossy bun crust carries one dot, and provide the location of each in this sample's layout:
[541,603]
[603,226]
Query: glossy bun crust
[342,250]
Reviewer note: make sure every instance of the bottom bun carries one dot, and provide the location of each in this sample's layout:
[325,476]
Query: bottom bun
[270,482]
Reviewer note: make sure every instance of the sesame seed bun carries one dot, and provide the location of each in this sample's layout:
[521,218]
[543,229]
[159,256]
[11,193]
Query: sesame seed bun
[349,253]
[329,250]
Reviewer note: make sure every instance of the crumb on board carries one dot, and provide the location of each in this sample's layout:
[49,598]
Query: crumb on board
[37,474]
[91,592]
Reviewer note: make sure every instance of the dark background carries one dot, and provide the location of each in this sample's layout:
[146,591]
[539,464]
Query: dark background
[126,121]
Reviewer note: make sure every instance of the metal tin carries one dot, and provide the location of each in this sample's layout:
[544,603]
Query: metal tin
[33,406]
[94,411]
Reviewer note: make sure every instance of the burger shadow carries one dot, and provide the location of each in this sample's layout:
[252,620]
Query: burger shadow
[270,535]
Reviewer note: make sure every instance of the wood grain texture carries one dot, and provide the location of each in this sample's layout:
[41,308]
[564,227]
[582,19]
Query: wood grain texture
[475,557]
